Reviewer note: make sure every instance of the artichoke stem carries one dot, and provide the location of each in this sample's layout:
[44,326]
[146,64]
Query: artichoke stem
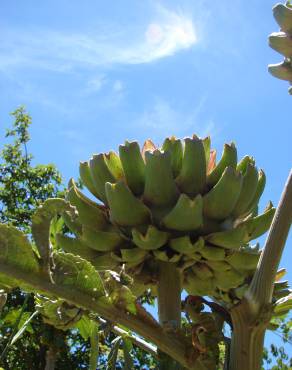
[169,307]
[247,340]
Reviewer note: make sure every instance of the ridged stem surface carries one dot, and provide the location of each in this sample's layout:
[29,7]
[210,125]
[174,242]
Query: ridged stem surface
[251,317]
[169,307]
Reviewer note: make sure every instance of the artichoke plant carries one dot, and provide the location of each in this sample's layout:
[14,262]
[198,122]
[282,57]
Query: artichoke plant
[282,42]
[173,205]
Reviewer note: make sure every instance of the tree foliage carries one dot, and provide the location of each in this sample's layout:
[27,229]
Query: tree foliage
[23,186]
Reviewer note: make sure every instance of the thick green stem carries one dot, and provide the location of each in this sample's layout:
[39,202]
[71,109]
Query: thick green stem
[247,340]
[169,307]
[251,317]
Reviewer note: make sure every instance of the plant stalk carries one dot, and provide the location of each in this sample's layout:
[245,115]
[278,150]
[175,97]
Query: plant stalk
[251,317]
[247,339]
[169,307]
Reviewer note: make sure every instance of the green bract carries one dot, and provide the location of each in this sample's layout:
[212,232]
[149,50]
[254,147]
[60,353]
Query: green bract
[172,204]
[282,42]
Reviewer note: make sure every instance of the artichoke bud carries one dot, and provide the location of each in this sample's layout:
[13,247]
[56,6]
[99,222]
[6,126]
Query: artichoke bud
[173,204]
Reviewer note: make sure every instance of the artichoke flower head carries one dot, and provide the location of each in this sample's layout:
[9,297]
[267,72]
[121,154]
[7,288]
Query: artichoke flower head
[173,204]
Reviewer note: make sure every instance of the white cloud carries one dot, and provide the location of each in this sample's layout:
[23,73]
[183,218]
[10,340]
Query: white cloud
[166,33]
[163,119]
[96,83]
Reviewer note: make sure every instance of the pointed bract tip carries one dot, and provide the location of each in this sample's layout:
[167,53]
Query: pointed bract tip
[71,183]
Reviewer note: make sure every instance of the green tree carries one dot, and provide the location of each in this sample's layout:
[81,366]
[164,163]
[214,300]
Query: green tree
[24,187]
[277,354]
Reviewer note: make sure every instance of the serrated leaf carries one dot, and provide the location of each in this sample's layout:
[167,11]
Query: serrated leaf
[55,228]
[77,273]
[85,327]
[57,312]
[16,250]
[41,221]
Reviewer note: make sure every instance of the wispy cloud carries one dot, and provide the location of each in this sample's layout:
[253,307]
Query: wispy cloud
[166,33]
[96,83]
[164,119]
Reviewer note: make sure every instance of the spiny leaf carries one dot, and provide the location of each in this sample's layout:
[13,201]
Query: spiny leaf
[41,221]
[77,273]
[85,327]
[15,249]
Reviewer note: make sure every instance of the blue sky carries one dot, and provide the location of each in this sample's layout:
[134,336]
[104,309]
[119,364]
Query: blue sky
[93,74]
